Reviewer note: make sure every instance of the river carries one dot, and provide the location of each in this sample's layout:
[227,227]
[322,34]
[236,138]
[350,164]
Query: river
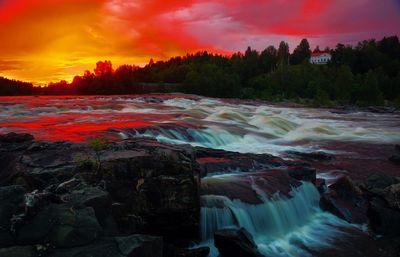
[280,225]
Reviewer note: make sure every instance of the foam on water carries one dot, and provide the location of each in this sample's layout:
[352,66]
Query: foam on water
[217,138]
[215,123]
[281,226]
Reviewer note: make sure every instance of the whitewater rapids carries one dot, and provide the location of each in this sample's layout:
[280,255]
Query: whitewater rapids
[213,123]
[281,226]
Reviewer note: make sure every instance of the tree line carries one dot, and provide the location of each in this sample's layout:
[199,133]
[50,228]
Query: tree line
[365,74]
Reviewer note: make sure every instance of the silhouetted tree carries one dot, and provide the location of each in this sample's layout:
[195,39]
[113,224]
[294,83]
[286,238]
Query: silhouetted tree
[269,59]
[365,74]
[103,68]
[301,53]
[317,50]
[283,53]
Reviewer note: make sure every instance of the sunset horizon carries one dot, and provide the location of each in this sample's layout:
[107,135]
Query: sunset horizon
[49,41]
[199,128]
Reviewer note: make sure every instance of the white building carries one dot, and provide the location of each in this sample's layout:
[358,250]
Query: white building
[320,58]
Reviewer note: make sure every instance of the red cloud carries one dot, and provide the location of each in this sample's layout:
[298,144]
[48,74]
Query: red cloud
[63,36]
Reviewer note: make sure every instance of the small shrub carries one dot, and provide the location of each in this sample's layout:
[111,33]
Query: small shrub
[98,145]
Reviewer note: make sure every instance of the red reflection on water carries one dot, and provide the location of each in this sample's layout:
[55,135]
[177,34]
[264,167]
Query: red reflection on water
[67,128]
[73,118]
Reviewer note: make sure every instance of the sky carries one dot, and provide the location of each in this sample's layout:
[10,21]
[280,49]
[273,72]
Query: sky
[51,40]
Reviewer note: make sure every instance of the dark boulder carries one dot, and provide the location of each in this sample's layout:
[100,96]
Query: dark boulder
[18,251]
[61,225]
[98,199]
[140,245]
[104,247]
[377,182]
[235,242]
[383,220]
[345,200]
[303,173]
[155,186]
[214,161]
[395,158]
[15,138]
[195,252]
[242,186]
[9,165]
[130,246]
[392,196]
[11,199]
[321,185]
[312,156]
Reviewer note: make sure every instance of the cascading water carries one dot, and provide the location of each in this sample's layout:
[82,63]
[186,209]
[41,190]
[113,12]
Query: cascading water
[214,123]
[280,226]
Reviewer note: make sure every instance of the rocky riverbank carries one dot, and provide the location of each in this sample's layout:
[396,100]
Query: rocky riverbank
[138,197]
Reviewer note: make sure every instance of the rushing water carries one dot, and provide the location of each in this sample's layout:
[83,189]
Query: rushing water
[213,123]
[280,225]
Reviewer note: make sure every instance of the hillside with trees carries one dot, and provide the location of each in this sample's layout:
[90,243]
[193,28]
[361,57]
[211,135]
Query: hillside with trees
[15,87]
[365,74]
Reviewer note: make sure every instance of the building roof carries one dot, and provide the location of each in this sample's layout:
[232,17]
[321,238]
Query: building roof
[319,54]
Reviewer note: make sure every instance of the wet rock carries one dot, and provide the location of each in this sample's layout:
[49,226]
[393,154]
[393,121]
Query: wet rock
[196,252]
[158,188]
[66,186]
[213,161]
[383,220]
[18,251]
[156,183]
[140,245]
[303,173]
[13,194]
[74,227]
[378,181]
[6,238]
[9,165]
[235,242]
[15,138]
[312,156]
[392,196]
[397,148]
[130,246]
[344,199]
[345,188]
[321,185]
[40,164]
[105,247]
[395,158]
[246,187]
[61,225]
[11,198]
[94,197]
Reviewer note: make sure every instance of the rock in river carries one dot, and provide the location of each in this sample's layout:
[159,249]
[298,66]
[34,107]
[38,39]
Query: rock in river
[235,242]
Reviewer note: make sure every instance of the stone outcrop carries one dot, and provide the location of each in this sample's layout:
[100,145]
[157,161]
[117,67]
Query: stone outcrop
[139,197]
[375,201]
[345,200]
[61,197]
[235,242]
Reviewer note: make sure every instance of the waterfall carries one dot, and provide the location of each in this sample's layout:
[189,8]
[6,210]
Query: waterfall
[219,138]
[280,226]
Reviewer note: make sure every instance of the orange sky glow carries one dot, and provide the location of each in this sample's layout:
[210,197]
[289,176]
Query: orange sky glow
[51,40]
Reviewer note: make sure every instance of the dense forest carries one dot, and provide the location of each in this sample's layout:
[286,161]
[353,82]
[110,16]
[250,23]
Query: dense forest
[365,74]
